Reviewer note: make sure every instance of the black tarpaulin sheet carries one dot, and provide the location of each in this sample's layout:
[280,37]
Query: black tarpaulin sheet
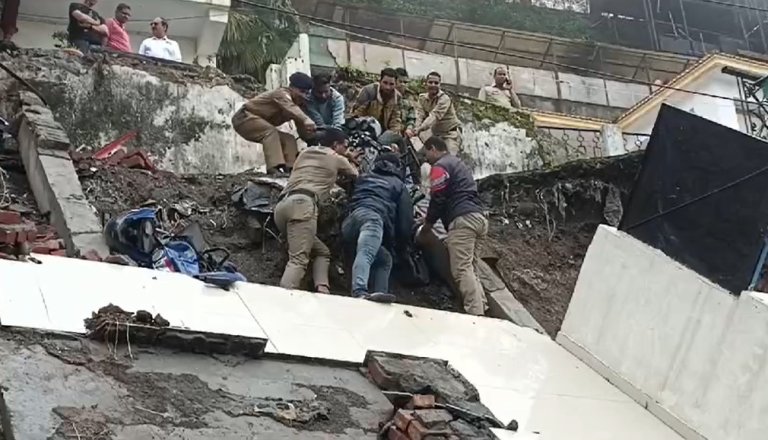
[701,197]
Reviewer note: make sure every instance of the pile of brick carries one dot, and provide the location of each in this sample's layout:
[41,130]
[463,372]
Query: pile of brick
[421,420]
[20,237]
[431,400]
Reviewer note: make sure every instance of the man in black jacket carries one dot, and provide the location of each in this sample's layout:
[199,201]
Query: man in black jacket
[380,219]
[455,201]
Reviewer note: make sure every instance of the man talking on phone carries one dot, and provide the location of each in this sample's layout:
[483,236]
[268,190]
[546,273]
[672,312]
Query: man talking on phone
[500,93]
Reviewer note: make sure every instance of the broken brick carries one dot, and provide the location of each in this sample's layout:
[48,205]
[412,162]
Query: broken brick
[40,249]
[59,253]
[402,419]
[421,401]
[7,236]
[434,418]
[379,376]
[9,218]
[396,434]
[417,431]
[92,255]
[119,259]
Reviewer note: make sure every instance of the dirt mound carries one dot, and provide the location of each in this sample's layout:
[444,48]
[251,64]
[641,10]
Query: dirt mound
[541,225]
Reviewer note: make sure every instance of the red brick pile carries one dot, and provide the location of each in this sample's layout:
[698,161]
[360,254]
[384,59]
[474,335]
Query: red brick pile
[20,237]
[420,420]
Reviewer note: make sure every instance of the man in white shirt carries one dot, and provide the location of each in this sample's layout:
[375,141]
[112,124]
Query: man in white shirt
[159,45]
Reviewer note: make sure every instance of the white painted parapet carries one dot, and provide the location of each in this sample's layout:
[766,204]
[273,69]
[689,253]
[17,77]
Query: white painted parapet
[685,348]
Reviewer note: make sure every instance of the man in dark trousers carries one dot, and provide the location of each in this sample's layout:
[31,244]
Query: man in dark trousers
[455,201]
[86,27]
[380,220]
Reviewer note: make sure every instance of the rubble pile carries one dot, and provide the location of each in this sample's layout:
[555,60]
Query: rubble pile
[108,319]
[541,224]
[431,399]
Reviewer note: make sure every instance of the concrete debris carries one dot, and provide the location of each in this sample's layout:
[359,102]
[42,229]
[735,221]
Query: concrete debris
[106,320]
[116,326]
[430,397]
[288,413]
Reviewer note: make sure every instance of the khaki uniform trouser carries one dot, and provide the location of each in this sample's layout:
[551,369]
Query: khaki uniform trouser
[280,148]
[454,141]
[296,218]
[464,233]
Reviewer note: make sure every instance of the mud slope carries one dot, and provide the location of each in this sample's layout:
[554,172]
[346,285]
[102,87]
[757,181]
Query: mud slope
[541,226]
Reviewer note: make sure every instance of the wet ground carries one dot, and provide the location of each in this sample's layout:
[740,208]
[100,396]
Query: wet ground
[541,226]
[66,388]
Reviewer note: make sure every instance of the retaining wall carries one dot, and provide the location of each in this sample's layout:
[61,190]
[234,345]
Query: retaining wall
[685,348]
[43,147]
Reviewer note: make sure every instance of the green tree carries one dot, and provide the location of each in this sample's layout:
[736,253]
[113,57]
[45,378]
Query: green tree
[255,38]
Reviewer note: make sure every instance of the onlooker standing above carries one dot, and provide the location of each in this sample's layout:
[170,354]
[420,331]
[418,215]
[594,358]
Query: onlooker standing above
[159,45]
[380,221]
[315,174]
[86,27]
[435,111]
[454,200]
[118,36]
[407,102]
[258,119]
[500,93]
[9,18]
[325,105]
[382,101]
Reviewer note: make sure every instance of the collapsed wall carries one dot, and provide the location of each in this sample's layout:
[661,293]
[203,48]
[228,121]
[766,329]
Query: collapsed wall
[541,225]
[182,112]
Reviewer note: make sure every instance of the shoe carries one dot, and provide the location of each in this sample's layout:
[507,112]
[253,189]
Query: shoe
[379,297]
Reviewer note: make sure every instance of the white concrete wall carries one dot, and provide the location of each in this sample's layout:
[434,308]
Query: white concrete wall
[718,110]
[569,5]
[476,74]
[694,354]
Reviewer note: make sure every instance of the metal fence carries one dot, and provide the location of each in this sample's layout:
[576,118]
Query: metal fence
[563,145]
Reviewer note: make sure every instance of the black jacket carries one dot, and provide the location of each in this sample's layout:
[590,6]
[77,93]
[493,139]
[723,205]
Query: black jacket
[454,191]
[383,191]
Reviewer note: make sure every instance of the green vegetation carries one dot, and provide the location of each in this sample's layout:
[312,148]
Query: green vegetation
[256,38]
[499,13]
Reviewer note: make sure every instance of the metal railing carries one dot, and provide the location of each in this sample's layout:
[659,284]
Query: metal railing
[563,145]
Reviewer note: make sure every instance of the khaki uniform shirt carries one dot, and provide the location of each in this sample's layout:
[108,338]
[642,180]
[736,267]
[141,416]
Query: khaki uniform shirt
[276,107]
[316,170]
[506,98]
[437,114]
[370,103]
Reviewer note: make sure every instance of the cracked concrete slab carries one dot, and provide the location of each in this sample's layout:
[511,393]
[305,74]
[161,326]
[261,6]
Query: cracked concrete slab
[58,388]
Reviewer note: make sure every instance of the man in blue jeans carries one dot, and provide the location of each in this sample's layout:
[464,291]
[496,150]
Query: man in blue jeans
[380,220]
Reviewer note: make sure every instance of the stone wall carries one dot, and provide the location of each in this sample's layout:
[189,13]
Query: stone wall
[182,113]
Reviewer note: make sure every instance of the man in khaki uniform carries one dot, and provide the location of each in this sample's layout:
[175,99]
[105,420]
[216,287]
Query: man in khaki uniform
[435,111]
[258,119]
[382,101]
[454,200]
[310,184]
[500,93]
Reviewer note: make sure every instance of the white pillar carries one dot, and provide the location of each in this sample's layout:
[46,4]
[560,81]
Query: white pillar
[613,140]
[209,39]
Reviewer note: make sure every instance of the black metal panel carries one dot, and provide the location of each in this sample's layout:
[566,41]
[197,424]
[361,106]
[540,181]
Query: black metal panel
[701,197]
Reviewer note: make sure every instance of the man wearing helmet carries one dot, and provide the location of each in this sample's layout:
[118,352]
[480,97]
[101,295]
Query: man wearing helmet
[382,101]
